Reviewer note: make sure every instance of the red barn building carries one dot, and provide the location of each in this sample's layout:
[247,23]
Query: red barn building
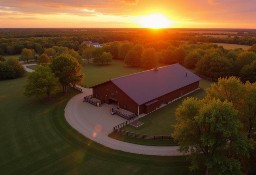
[146,91]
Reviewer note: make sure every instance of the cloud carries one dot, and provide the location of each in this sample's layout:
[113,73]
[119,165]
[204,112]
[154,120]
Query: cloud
[74,7]
[212,2]
[131,1]
[199,11]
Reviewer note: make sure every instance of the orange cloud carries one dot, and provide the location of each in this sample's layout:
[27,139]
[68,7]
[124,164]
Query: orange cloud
[93,13]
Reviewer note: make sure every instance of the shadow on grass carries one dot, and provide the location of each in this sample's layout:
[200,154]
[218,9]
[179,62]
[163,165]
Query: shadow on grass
[139,141]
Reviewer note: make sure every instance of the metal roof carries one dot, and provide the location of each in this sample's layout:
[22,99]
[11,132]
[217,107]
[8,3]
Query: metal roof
[148,85]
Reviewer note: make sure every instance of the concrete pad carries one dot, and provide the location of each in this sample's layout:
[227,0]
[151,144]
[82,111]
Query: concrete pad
[96,123]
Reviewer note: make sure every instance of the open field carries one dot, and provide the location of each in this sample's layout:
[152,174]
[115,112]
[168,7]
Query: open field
[161,122]
[217,35]
[12,56]
[98,74]
[233,46]
[36,139]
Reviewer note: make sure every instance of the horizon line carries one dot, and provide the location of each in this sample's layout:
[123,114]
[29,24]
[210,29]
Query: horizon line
[216,28]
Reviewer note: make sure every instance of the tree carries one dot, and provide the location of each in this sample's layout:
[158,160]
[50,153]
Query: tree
[250,108]
[5,71]
[2,58]
[243,59]
[180,55]
[213,65]
[208,130]
[149,58]
[67,70]
[253,48]
[132,59]
[41,81]
[112,48]
[242,96]
[192,59]
[75,55]
[50,52]
[27,54]
[138,48]
[97,52]
[11,68]
[38,48]
[86,52]
[233,54]
[123,50]
[44,59]
[248,72]
[58,50]
[169,56]
[104,58]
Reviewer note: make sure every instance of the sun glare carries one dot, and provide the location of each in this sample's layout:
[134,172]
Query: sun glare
[154,21]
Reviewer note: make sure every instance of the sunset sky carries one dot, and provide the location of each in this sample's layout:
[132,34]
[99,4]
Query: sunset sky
[126,13]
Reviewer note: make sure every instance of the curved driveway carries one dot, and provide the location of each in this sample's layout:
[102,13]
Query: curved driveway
[27,68]
[96,123]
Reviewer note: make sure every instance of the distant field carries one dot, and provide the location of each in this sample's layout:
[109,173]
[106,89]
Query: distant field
[233,46]
[98,74]
[217,36]
[12,56]
[161,122]
[36,139]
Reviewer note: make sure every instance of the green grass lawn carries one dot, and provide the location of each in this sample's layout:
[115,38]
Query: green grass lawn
[98,74]
[36,139]
[12,56]
[161,122]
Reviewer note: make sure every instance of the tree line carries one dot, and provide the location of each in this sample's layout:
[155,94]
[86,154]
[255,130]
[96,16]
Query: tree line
[208,60]
[12,41]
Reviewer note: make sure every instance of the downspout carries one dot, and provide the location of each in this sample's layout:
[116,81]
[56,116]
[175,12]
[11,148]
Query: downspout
[138,110]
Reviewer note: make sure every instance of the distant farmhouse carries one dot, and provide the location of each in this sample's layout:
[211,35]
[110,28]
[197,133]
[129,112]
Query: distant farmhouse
[146,91]
[92,44]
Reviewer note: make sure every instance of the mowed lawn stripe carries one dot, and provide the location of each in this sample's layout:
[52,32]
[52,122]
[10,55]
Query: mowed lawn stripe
[38,140]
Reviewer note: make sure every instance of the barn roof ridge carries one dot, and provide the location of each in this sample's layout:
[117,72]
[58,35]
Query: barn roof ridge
[144,71]
[142,87]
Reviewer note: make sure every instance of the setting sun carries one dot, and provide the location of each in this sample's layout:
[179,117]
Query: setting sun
[154,21]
